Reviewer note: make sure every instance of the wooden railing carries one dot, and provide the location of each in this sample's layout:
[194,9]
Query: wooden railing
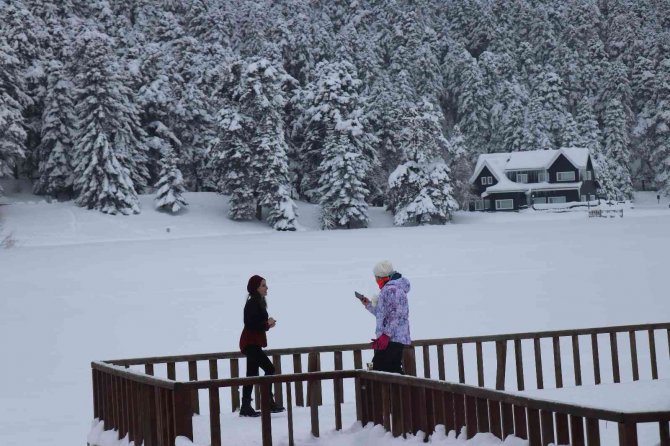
[409,405]
[432,351]
[153,411]
[131,397]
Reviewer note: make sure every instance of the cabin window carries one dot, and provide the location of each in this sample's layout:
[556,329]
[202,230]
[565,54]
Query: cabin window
[541,177]
[565,176]
[540,200]
[592,197]
[521,177]
[589,175]
[482,205]
[502,205]
[556,199]
[585,198]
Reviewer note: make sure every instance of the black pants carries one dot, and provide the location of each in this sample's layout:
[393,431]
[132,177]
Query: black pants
[389,360]
[256,358]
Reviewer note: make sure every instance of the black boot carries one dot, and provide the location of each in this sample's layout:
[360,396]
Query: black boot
[246,410]
[276,407]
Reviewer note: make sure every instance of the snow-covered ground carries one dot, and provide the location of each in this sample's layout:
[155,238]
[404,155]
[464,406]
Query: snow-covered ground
[78,285]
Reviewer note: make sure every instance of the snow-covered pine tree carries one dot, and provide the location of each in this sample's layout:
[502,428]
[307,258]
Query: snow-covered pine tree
[170,186]
[389,97]
[570,132]
[472,23]
[260,94]
[460,168]
[473,105]
[194,71]
[495,71]
[587,126]
[615,87]
[419,189]
[328,102]
[508,118]
[547,112]
[25,34]
[654,124]
[410,44]
[541,34]
[58,129]
[616,149]
[232,161]
[272,164]
[156,99]
[103,146]
[13,140]
[310,38]
[253,165]
[341,174]
[233,154]
[358,42]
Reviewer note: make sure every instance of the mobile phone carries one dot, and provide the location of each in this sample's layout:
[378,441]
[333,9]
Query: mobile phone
[359,295]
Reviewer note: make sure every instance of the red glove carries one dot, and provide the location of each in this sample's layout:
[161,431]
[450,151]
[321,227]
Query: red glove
[381,342]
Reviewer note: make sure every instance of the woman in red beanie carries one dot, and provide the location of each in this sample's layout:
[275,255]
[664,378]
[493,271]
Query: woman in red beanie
[253,339]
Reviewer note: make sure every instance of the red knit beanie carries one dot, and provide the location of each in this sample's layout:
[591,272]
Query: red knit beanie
[253,284]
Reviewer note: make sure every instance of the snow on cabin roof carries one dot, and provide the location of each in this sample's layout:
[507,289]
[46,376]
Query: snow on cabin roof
[495,163]
[499,163]
[579,156]
[534,159]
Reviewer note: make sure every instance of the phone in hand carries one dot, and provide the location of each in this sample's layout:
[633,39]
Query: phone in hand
[359,295]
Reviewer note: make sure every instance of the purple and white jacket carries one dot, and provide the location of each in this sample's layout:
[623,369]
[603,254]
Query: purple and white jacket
[392,311]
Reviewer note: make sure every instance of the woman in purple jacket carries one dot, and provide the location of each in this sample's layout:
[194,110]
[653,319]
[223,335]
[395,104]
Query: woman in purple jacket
[392,315]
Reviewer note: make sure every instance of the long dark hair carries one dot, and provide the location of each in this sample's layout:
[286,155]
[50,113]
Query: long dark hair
[252,289]
[260,299]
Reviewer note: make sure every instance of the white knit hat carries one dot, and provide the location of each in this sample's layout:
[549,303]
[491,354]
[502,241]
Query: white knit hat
[383,269]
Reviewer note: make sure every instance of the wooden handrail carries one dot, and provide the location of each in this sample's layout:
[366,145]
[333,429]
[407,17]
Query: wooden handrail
[132,375]
[417,343]
[517,400]
[390,378]
[269,379]
[544,334]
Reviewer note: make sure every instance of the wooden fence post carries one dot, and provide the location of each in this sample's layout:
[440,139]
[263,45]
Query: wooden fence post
[214,416]
[182,411]
[596,358]
[150,420]
[537,347]
[627,434]
[501,364]
[235,390]
[518,356]
[266,419]
[278,389]
[193,376]
[314,391]
[557,362]
[409,361]
[480,364]
[652,355]
[297,368]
